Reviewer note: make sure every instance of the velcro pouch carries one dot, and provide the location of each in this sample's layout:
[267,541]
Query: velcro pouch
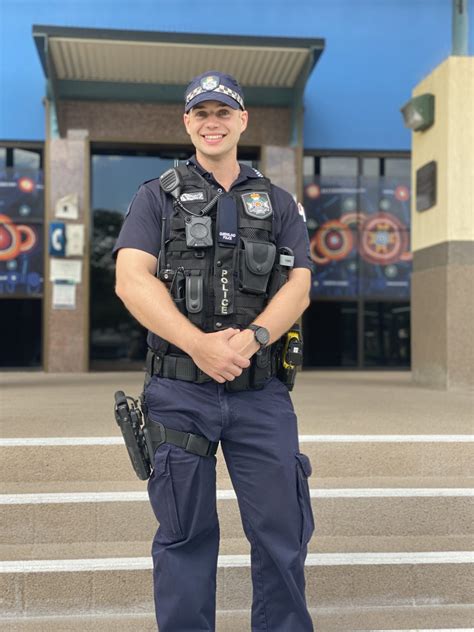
[256,261]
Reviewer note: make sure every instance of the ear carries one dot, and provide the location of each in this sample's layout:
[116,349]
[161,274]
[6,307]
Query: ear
[186,122]
[244,119]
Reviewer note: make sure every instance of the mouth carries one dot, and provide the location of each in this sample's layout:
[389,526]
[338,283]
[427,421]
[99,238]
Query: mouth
[213,139]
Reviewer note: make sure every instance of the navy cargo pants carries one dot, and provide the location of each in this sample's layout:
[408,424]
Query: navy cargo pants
[259,440]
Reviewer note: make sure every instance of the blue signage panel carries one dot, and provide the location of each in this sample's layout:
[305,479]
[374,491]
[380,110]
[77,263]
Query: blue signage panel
[57,239]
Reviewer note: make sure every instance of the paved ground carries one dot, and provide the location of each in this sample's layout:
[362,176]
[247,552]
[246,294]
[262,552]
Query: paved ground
[36,404]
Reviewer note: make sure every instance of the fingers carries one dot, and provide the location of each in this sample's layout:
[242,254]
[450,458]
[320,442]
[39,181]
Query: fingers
[218,360]
[225,374]
[229,333]
[241,361]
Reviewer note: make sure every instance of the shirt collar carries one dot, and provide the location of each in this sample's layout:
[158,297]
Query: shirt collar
[246,172]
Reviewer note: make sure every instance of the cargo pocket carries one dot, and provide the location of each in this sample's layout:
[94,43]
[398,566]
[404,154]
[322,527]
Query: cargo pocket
[303,472]
[162,495]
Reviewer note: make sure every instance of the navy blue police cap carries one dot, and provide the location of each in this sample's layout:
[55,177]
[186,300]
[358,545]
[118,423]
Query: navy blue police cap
[214,86]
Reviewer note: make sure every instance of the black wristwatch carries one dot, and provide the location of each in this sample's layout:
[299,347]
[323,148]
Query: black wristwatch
[261,334]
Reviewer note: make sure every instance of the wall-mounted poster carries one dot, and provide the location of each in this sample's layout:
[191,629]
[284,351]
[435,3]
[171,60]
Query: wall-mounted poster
[21,232]
[359,230]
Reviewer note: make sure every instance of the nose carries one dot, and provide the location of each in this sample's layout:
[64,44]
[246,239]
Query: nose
[212,121]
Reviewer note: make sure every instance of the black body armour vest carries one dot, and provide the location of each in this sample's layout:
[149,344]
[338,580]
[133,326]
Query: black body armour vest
[227,283]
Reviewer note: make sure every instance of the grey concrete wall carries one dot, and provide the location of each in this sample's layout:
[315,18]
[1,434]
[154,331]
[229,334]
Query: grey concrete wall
[442,309]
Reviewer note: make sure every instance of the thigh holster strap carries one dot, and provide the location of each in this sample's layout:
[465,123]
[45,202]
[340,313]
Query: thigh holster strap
[196,444]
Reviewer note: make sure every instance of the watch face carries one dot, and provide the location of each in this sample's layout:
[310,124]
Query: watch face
[262,335]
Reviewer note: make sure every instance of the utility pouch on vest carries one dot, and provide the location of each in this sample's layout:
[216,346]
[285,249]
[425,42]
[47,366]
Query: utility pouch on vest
[261,368]
[256,260]
[177,289]
[194,292]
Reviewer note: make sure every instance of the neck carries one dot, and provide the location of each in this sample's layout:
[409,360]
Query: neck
[225,169]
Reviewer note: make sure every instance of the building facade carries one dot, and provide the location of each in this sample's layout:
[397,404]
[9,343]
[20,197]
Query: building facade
[98,110]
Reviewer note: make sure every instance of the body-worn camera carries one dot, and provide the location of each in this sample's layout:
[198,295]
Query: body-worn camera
[198,232]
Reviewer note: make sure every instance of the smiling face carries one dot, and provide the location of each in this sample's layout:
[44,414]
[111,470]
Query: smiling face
[215,129]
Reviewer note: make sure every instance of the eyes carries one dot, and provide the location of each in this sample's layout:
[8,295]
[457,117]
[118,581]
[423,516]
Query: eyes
[201,115]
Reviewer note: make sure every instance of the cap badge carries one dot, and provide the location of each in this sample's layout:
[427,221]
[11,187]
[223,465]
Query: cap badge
[211,82]
[257,205]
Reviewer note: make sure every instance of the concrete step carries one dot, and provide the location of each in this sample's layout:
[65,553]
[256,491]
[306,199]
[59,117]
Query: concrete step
[406,619]
[353,580]
[440,518]
[135,485]
[237,546]
[85,459]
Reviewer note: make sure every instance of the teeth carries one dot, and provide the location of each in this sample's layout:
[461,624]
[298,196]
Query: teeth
[213,137]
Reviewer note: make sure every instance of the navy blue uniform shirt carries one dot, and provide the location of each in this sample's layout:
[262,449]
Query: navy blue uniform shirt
[142,225]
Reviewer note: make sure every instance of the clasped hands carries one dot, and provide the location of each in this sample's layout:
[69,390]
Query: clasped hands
[224,354]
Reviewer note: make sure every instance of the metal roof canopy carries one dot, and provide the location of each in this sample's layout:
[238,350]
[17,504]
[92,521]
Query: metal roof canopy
[150,66]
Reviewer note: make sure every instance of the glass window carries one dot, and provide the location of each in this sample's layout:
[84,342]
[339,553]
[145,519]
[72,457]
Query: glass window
[115,179]
[370,166]
[387,334]
[26,159]
[330,334]
[398,167]
[339,166]
[308,166]
[3,157]
[20,338]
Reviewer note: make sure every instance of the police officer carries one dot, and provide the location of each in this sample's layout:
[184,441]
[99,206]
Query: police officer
[222,238]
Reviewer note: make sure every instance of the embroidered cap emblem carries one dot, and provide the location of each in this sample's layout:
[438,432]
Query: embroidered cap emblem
[210,82]
[257,205]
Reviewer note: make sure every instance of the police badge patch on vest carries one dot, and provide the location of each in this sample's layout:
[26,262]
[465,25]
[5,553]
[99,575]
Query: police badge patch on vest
[257,204]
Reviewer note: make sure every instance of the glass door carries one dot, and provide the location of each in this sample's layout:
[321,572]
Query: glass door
[117,340]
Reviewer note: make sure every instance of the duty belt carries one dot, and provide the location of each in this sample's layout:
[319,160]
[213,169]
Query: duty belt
[175,367]
[179,367]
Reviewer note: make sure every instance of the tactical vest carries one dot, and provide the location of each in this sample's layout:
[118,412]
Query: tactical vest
[222,285]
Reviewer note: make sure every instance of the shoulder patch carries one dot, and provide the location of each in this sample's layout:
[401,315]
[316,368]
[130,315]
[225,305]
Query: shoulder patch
[257,204]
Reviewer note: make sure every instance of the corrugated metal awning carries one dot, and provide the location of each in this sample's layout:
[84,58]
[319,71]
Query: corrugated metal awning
[109,64]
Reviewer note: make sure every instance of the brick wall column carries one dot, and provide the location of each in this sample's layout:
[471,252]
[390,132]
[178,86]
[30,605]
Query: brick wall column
[66,331]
